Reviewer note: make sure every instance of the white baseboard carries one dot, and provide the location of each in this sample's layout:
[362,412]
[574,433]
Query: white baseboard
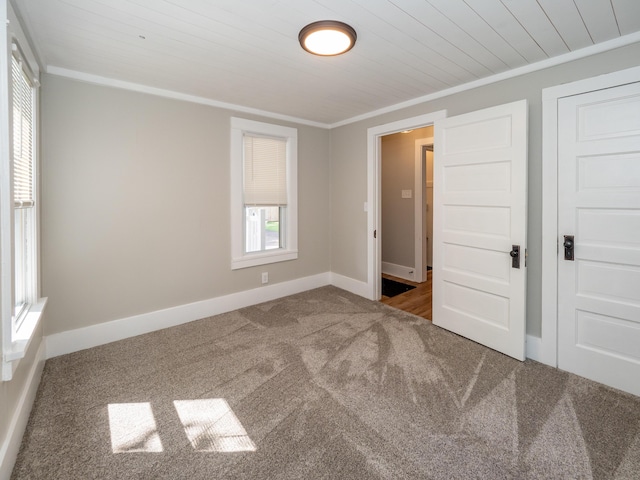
[11,444]
[350,285]
[95,335]
[400,271]
[88,337]
[533,348]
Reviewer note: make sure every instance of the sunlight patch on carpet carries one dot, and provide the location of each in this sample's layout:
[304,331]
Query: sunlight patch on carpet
[211,426]
[133,428]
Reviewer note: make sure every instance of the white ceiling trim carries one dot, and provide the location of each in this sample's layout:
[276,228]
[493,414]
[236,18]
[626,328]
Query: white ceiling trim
[160,92]
[541,65]
[533,67]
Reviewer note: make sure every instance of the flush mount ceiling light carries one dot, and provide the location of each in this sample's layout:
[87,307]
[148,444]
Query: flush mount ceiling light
[327,38]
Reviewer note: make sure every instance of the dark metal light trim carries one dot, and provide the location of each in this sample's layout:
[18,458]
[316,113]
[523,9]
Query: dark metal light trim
[327,25]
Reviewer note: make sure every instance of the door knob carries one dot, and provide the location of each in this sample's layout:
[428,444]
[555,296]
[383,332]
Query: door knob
[568,247]
[515,256]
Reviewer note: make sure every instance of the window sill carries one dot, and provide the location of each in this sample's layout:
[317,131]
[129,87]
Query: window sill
[253,260]
[21,341]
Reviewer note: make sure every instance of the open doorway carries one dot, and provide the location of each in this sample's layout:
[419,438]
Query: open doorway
[372,206]
[406,206]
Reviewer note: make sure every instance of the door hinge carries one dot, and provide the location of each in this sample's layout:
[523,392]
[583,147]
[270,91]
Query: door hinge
[375,234]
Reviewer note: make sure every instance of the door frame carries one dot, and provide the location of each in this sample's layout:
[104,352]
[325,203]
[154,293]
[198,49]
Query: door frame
[547,349]
[374,154]
[420,221]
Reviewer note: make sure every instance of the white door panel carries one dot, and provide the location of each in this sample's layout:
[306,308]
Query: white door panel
[599,204]
[480,190]
[486,177]
[485,264]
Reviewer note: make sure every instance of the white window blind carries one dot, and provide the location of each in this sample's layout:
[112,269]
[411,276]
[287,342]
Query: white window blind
[23,112]
[265,171]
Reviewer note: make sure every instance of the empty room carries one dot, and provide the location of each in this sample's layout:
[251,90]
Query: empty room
[202,205]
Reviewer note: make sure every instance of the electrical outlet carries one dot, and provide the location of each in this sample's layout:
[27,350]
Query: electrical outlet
[265,277]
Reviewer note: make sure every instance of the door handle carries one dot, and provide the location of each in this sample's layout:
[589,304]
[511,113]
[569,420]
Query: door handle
[568,245]
[515,256]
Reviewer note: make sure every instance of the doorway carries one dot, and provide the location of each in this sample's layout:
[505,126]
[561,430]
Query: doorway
[406,220]
[372,205]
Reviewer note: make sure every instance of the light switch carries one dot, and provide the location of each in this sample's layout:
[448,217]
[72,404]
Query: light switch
[406,193]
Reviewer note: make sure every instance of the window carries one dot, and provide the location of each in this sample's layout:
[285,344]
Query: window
[20,308]
[23,109]
[263,193]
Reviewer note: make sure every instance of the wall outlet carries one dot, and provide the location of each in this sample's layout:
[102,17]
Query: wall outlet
[265,277]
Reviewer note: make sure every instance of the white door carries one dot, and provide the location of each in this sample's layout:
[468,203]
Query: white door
[480,199]
[599,205]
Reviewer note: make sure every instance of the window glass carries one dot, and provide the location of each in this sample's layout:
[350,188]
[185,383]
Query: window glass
[23,186]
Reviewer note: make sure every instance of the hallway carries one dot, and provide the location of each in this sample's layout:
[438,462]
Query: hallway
[416,301]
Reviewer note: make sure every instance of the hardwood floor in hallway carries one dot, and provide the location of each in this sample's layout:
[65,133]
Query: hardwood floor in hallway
[416,301]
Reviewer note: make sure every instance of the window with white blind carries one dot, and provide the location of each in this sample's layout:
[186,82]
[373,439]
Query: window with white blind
[263,193]
[23,115]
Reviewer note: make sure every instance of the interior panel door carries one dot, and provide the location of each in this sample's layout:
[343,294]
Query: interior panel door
[599,206]
[480,214]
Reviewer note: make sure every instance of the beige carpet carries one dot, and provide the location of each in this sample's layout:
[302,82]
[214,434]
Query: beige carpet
[321,385]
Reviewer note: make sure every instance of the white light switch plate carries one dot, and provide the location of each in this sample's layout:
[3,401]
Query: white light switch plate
[406,193]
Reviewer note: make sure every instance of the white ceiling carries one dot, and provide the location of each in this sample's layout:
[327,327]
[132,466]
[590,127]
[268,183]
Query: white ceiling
[246,52]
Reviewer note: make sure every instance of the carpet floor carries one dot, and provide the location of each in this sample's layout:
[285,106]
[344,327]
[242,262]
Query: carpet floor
[321,385]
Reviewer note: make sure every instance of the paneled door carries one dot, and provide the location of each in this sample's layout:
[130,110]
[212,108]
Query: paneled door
[599,236]
[480,222]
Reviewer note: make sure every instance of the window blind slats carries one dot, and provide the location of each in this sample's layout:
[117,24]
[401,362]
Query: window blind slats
[22,136]
[265,171]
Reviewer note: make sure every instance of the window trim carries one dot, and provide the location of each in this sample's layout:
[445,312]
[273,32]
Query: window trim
[240,259]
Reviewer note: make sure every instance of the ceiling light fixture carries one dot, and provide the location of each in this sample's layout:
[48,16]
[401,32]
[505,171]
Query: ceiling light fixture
[327,38]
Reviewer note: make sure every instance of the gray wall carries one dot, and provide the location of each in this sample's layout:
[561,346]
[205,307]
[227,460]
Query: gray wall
[398,214]
[349,159]
[136,195]
[135,207]
[11,391]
